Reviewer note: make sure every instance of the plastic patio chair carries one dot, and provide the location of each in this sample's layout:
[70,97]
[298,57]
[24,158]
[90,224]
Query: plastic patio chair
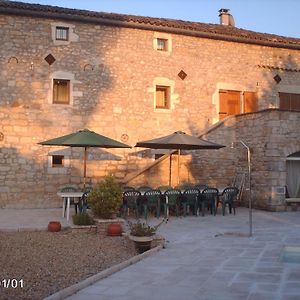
[190,200]
[152,201]
[83,205]
[172,199]
[228,198]
[131,201]
[74,201]
[144,188]
[164,188]
[208,199]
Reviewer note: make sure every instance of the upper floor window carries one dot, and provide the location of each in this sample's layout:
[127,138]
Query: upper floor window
[162,96]
[236,102]
[289,101]
[61,91]
[162,44]
[62,33]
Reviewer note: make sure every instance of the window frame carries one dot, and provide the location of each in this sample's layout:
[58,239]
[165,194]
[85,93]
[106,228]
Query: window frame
[164,43]
[55,97]
[167,91]
[62,29]
[57,165]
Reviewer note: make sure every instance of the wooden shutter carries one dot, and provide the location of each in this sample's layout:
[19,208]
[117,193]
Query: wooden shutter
[289,101]
[295,102]
[229,103]
[285,101]
[161,97]
[250,102]
[61,91]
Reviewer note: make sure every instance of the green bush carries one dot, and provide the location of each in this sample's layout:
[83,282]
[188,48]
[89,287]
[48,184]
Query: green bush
[105,198]
[83,219]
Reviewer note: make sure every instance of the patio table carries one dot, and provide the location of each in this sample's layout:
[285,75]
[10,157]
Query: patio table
[68,195]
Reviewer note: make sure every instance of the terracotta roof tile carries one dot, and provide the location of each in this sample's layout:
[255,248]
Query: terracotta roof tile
[219,30]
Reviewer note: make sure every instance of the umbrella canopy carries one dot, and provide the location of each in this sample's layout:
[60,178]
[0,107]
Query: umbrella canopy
[84,138]
[180,141]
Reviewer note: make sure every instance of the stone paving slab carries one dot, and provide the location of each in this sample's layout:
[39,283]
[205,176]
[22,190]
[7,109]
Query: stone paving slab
[211,258]
[30,219]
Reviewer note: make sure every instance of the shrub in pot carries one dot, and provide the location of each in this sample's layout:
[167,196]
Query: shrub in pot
[83,219]
[105,199]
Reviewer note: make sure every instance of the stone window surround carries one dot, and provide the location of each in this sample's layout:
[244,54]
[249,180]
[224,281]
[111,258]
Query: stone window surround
[231,87]
[163,36]
[59,170]
[64,76]
[162,81]
[72,36]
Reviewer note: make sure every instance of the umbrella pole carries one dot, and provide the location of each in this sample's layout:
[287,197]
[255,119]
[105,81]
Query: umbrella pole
[84,167]
[170,174]
[178,167]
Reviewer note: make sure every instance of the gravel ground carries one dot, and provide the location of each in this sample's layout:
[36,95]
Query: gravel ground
[46,262]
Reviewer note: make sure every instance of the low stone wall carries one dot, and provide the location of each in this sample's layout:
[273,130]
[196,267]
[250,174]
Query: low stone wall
[102,225]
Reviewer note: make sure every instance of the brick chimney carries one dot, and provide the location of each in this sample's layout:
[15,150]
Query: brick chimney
[225,17]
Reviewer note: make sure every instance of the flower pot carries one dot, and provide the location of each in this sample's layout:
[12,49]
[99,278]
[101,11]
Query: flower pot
[54,226]
[114,229]
[142,243]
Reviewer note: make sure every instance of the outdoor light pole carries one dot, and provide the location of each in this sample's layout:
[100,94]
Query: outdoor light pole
[249,178]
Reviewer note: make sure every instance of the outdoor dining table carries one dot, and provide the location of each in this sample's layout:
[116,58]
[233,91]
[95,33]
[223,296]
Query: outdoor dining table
[68,195]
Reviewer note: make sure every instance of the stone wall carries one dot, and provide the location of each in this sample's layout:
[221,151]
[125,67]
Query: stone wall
[113,72]
[272,136]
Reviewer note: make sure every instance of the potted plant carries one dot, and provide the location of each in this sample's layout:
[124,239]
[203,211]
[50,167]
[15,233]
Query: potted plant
[105,200]
[142,234]
[83,222]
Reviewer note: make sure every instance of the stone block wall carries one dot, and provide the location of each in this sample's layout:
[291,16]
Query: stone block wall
[272,136]
[113,72]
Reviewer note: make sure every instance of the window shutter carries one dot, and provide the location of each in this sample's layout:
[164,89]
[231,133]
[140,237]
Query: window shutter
[229,103]
[250,102]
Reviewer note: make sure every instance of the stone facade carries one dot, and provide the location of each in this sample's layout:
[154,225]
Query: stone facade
[113,72]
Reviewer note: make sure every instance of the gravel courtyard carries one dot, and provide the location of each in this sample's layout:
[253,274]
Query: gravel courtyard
[45,262]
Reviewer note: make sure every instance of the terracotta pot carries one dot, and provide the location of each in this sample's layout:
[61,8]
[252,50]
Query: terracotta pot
[114,229]
[54,226]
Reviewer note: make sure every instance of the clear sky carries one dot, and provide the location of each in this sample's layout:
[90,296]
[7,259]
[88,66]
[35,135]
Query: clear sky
[280,17]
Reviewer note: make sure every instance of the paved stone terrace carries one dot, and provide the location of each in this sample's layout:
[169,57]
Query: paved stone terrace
[207,258]
[201,262]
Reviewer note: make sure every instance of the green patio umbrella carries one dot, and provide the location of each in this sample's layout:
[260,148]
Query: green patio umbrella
[178,141]
[84,138]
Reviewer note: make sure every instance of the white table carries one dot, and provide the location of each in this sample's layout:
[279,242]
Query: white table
[68,195]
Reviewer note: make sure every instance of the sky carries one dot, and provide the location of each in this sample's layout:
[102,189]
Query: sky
[279,17]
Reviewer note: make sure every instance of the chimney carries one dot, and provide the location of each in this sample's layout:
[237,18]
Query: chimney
[225,17]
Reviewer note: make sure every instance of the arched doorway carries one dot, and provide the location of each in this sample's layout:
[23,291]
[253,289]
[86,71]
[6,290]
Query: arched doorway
[293,175]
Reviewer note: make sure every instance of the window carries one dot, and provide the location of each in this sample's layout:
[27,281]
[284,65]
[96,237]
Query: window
[236,102]
[289,101]
[162,97]
[62,33]
[61,91]
[57,161]
[162,44]
[229,103]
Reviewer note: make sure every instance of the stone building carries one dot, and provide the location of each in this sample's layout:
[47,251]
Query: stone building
[134,78]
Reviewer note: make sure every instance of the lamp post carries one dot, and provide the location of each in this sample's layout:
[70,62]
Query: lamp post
[249,178]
